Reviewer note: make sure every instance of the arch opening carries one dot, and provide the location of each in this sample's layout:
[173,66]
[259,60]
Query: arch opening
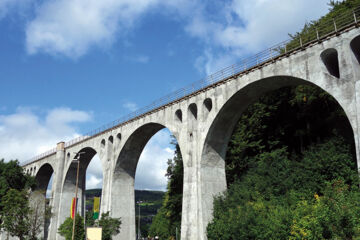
[355,47]
[89,183]
[118,136]
[178,115]
[140,167]
[207,107]
[214,155]
[192,111]
[42,195]
[331,61]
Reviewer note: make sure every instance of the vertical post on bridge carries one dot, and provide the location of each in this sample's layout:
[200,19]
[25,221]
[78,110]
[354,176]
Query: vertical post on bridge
[355,17]
[317,34]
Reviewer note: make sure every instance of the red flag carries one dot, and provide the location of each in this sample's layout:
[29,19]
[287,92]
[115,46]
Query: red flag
[73,208]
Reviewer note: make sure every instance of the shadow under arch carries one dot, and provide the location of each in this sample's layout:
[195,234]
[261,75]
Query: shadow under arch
[38,200]
[43,176]
[212,165]
[122,191]
[69,184]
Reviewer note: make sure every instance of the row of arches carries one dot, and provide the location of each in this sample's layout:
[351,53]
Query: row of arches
[31,171]
[193,111]
[330,57]
[127,161]
[214,147]
[110,140]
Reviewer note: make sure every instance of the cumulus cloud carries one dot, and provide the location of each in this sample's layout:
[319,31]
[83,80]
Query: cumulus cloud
[94,173]
[230,28]
[248,27]
[93,181]
[25,133]
[152,165]
[71,27]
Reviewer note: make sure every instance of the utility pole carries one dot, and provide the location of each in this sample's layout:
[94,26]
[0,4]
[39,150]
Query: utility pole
[76,160]
[139,233]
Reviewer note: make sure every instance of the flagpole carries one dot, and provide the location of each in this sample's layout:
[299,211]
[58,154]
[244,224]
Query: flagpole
[76,191]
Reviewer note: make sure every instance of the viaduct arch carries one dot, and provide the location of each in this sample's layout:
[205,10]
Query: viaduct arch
[202,123]
[123,179]
[220,131]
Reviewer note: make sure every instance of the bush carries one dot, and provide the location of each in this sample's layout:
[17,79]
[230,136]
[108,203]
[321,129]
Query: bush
[65,229]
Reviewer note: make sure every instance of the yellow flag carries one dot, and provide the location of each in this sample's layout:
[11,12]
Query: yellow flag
[96,207]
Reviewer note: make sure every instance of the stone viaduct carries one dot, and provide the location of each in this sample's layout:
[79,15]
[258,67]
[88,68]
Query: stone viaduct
[202,122]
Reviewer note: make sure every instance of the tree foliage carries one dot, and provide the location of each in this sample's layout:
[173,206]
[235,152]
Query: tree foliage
[287,147]
[66,228]
[15,213]
[340,11]
[110,226]
[12,177]
[335,215]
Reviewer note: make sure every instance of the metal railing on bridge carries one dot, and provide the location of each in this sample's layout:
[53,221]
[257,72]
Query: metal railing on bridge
[314,34]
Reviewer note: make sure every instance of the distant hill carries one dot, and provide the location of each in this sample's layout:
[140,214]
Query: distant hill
[148,196]
[151,200]
[140,195]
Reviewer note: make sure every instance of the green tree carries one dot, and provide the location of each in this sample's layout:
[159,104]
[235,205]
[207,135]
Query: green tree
[341,11]
[160,225]
[12,177]
[291,117]
[110,226]
[66,228]
[15,213]
[335,215]
[285,148]
[89,216]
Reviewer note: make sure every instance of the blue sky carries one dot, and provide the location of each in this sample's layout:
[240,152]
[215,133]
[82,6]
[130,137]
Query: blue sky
[69,66]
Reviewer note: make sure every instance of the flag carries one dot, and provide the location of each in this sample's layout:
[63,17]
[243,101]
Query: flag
[73,208]
[96,207]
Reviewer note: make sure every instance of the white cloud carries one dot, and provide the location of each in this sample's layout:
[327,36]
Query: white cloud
[236,27]
[25,134]
[152,165]
[248,27]
[93,182]
[71,27]
[94,173]
[130,106]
